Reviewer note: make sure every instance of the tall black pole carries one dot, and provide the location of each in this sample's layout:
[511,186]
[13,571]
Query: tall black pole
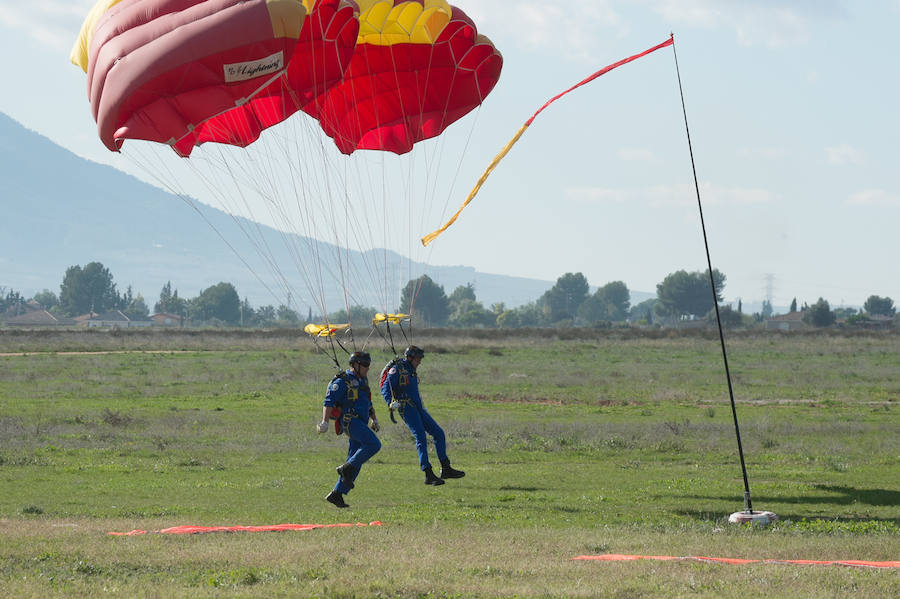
[748,504]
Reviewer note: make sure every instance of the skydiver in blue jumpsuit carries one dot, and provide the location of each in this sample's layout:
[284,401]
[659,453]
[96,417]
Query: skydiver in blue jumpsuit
[400,390]
[349,391]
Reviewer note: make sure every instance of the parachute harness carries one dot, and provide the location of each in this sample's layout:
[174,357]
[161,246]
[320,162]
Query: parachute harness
[397,319]
[399,398]
[341,417]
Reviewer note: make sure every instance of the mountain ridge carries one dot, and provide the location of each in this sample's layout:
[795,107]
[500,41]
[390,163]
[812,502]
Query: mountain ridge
[58,205]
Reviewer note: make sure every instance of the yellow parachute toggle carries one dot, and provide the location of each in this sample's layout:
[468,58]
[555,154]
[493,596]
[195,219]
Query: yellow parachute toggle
[389,318]
[325,330]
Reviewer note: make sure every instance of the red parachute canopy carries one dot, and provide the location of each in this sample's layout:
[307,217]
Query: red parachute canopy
[419,65]
[184,72]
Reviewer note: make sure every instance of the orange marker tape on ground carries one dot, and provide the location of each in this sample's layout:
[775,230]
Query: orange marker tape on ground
[188,529]
[613,557]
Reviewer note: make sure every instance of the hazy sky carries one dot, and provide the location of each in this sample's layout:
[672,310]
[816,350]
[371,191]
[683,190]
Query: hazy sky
[792,108]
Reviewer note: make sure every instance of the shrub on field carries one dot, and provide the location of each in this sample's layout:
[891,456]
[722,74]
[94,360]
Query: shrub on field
[115,418]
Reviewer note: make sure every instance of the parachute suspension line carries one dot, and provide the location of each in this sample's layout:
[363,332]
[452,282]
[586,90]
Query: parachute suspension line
[459,163]
[368,338]
[278,203]
[451,188]
[433,166]
[332,355]
[366,222]
[461,154]
[417,288]
[431,236]
[410,327]
[400,324]
[341,345]
[274,198]
[748,505]
[380,334]
[335,205]
[411,157]
[429,164]
[351,217]
[258,175]
[391,336]
[258,240]
[276,166]
[309,212]
[389,340]
[192,204]
[344,261]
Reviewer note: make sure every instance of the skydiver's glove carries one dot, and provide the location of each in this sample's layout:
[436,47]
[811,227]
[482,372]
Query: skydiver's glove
[375,426]
[395,405]
[322,427]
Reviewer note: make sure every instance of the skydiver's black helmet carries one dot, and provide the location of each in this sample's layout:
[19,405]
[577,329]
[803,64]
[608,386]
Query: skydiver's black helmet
[360,357]
[414,352]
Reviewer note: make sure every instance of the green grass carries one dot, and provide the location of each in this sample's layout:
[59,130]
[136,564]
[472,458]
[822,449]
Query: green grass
[600,443]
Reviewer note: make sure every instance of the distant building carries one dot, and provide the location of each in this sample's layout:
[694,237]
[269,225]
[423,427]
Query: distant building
[696,323]
[869,321]
[37,318]
[19,309]
[792,321]
[115,318]
[164,319]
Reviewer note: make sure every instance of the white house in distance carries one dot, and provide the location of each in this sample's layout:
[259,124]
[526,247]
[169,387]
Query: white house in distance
[164,319]
[792,321]
[115,318]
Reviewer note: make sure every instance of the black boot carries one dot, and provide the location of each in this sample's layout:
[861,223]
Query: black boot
[347,471]
[336,498]
[431,479]
[448,471]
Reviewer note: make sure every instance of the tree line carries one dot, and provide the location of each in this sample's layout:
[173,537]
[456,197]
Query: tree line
[680,296]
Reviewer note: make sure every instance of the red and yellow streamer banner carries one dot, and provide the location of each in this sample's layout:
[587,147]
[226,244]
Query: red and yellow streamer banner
[432,236]
[189,529]
[614,557]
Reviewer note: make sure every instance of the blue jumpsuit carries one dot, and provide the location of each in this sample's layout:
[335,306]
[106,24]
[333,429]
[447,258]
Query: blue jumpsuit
[402,384]
[352,394]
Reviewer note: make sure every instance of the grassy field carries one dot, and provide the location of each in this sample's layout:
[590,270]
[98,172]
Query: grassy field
[597,442]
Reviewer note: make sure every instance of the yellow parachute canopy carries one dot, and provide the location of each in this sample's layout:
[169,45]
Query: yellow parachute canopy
[383,24]
[79,54]
[325,330]
[390,318]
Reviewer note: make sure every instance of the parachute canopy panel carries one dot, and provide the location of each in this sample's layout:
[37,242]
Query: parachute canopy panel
[390,318]
[184,72]
[325,330]
[418,67]
[79,54]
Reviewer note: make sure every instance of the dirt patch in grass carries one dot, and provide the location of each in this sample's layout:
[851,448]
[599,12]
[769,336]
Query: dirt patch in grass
[518,399]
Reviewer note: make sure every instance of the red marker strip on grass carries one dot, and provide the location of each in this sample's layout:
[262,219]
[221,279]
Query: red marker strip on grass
[613,557]
[188,529]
